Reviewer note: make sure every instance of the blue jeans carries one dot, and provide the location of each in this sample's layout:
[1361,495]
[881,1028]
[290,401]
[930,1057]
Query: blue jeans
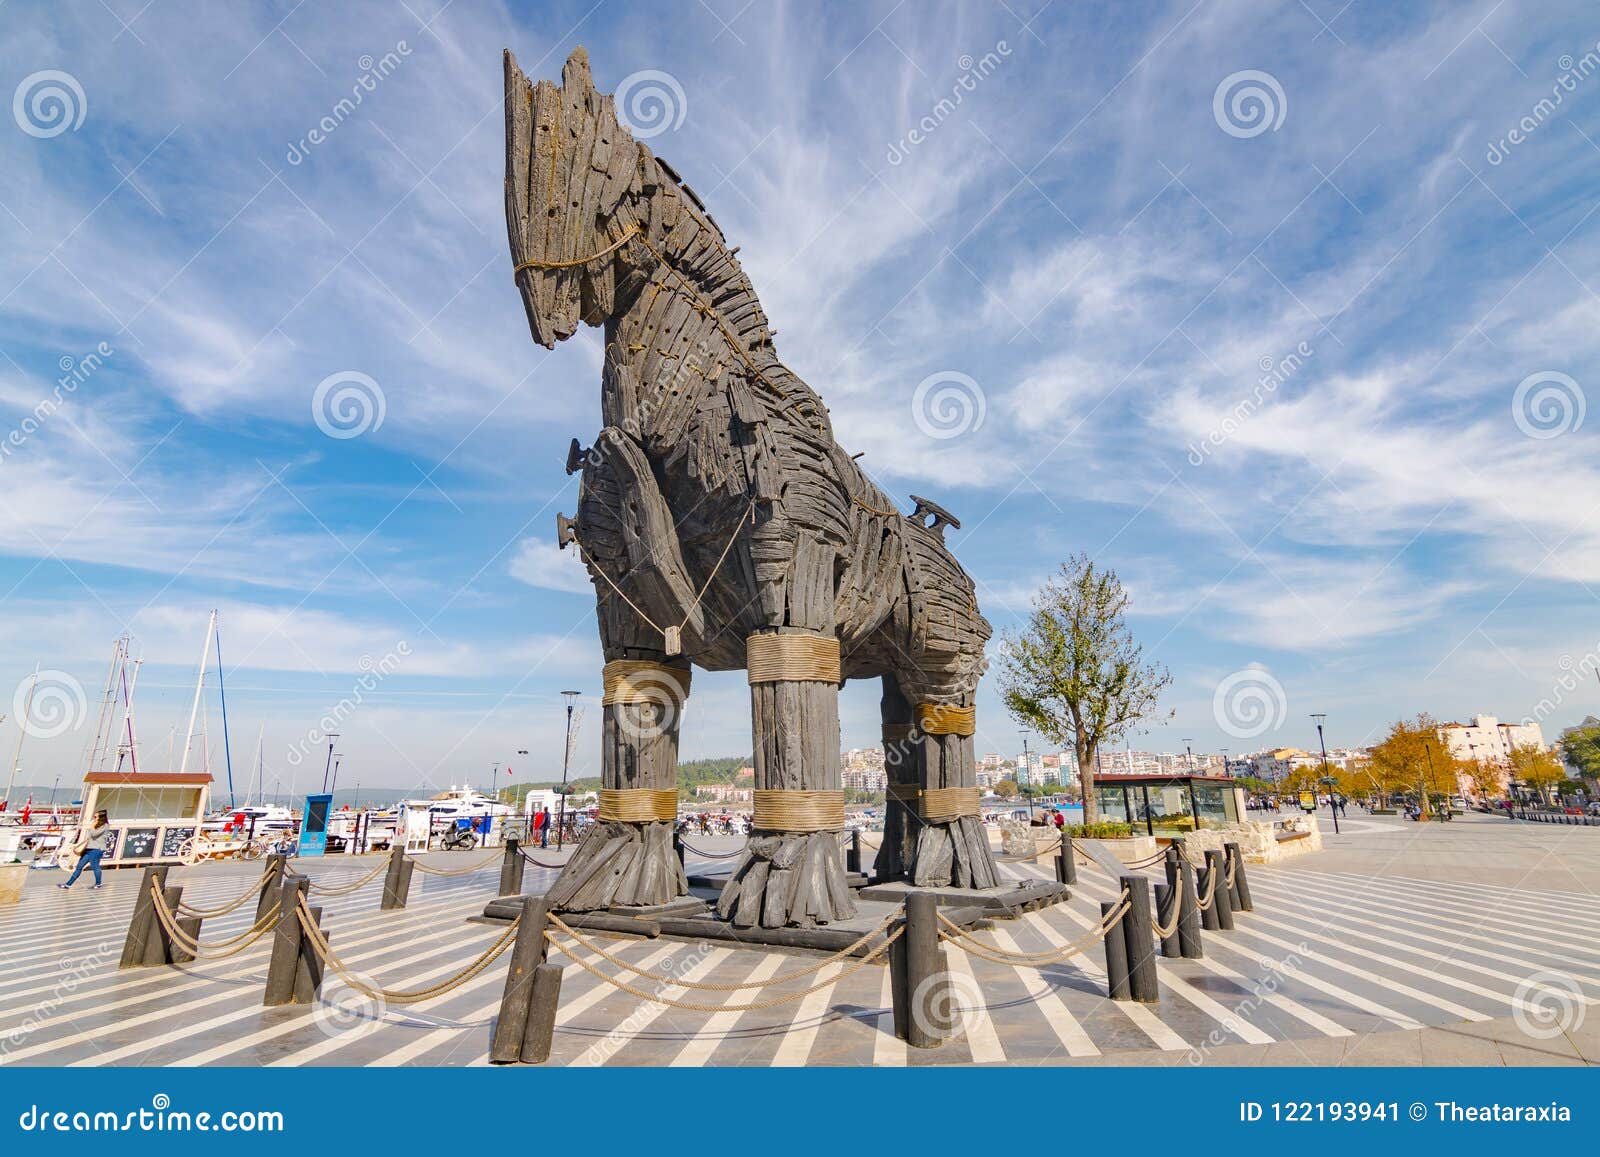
[544,836]
[90,859]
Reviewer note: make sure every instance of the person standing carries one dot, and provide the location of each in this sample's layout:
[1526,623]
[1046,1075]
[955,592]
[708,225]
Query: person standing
[542,823]
[91,849]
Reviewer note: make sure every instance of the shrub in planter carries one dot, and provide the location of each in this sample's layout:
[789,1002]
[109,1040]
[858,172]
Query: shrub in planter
[1104,830]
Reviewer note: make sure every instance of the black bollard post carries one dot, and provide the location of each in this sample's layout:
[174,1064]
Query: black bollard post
[272,881]
[1067,861]
[542,1005]
[1189,945]
[284,961]
[397,880]
[677,846]
[852,858]
[1220,903]
[511,870]
[159,947]
[1116,956]
[1230,864]
[1166,910]
[1208,914]
[308,966]
[1143,981]
[528,952]
[920,1000]
[143,919]
[190,927]
[1241,886]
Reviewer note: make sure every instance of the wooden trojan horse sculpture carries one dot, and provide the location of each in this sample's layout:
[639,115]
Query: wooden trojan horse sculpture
[724,528]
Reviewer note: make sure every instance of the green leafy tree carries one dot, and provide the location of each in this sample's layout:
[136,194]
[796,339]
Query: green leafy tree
[1074,673]
[1006,787]
[1580,748]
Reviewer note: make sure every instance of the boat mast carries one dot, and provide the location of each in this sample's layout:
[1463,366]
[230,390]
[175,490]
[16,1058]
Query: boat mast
[128,688]
[22,730]
[199,685]
[227,752]
[256,782]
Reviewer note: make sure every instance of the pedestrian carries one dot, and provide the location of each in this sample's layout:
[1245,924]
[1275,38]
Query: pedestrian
[92,848]
[541,824]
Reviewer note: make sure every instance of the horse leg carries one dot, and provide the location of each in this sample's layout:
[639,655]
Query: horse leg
[792,872]
[628,860]
[901,762]
[950,850]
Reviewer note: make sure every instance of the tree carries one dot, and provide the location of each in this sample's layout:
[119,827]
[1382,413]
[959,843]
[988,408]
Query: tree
[1539,769]
[1486,778]
[1412,758]
[1006,787]
[1580,748]
[1074,673]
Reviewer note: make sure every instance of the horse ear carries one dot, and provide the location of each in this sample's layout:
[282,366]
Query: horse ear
[575,73]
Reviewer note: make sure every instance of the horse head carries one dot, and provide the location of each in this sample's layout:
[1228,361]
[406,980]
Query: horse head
[575,185]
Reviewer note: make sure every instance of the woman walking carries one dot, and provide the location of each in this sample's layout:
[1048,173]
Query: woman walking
[92,849]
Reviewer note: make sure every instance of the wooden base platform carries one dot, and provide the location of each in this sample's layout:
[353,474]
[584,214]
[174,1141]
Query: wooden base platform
[1006,901]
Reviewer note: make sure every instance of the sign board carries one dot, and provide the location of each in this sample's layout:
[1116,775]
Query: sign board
[314,828]
[418,827]
[139,844]
[1308,801]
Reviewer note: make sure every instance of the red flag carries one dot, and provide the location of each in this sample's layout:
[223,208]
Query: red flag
[508,771]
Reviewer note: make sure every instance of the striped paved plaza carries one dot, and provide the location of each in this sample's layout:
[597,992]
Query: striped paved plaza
[1332,965]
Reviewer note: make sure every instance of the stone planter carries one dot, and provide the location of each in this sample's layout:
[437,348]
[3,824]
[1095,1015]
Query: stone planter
[1024,839]
[1129,850]
[12,877]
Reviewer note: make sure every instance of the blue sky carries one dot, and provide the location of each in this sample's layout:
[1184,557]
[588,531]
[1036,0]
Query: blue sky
[1096,247]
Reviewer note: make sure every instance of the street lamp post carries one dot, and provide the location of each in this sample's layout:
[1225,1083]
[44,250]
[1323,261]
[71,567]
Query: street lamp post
[566,761]
[494,780]
[328,764]
[1327,779]
[1027,770]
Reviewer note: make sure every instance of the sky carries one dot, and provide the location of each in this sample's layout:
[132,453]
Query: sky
[1285,312]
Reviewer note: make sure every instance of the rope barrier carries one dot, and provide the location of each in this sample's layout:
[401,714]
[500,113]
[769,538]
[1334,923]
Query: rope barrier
[754,1006]
[965,940]
[322,948]
[212,950]
[736,986]
[490,862]
[688,847]
[538,863]
[208,913]
[1177,911]
[334,891]
[1211,892]
[1233,870]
